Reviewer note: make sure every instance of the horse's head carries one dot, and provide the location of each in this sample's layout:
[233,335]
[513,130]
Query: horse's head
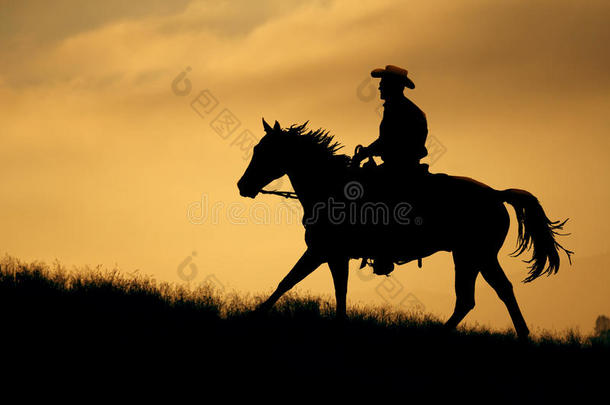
[267,163]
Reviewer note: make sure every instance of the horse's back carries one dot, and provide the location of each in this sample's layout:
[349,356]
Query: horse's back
[469,181]
[458,187]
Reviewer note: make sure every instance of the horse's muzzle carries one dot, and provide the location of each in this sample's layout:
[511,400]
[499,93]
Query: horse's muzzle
[244,191]
[248,194]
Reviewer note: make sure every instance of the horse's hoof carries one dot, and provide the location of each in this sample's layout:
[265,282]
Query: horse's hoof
[260,310]
[523,338]
[340,320]
[255,315]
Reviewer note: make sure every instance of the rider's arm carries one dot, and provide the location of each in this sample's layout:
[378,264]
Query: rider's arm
[374,148]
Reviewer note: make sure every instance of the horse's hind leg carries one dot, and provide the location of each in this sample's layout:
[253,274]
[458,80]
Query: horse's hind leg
[494,275]
[339,268]
[304,267]
[465,277]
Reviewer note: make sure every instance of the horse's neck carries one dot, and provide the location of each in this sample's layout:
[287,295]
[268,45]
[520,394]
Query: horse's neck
[311,183]
[304,184]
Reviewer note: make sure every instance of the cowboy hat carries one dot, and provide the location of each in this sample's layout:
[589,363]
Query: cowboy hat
[394,72]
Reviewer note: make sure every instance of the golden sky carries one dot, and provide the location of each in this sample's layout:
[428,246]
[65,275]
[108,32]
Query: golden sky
[101,156]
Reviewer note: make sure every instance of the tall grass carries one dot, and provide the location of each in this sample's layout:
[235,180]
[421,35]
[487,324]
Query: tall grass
[37,285]
[100,319]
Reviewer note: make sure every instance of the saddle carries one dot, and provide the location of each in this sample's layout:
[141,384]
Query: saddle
[372,173]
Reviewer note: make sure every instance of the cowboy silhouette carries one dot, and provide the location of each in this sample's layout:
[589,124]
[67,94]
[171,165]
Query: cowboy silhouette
[402,136]
[360,213]
[403,129]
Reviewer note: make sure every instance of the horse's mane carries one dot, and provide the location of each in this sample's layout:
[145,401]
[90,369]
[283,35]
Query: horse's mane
[319,140]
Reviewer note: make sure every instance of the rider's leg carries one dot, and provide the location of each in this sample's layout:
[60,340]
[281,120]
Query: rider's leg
[382,265]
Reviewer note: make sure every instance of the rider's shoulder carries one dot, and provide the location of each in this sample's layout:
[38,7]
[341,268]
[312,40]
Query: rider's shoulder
[401,102]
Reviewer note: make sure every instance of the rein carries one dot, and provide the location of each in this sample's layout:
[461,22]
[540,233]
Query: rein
[291,194]
[285,194]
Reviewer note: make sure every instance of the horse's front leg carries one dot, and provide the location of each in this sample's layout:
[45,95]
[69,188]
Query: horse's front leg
[339,268]
[304,267]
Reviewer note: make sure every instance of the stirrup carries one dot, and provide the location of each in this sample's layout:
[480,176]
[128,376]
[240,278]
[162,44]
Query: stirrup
[387,268]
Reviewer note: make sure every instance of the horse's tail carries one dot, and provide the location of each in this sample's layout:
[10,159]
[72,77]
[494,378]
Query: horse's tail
[538,231]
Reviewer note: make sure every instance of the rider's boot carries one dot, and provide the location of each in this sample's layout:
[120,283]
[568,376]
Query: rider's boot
[383,266]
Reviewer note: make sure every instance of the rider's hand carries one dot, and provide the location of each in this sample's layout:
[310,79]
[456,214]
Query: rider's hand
[359,157]
[362,152]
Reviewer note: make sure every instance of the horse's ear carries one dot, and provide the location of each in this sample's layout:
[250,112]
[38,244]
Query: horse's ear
[266,126]
[276,126]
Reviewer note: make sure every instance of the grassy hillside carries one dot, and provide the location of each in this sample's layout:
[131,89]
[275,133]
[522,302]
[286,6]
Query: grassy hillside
[107,328]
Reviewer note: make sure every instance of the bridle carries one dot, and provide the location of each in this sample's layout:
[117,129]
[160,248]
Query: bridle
[285,194]
[292,194]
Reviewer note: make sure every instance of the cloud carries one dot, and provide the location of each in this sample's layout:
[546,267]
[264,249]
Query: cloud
[549,46]
[39,22]
[33,33]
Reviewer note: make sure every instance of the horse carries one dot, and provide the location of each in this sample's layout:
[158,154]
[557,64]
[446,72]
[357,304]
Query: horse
[454,214]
